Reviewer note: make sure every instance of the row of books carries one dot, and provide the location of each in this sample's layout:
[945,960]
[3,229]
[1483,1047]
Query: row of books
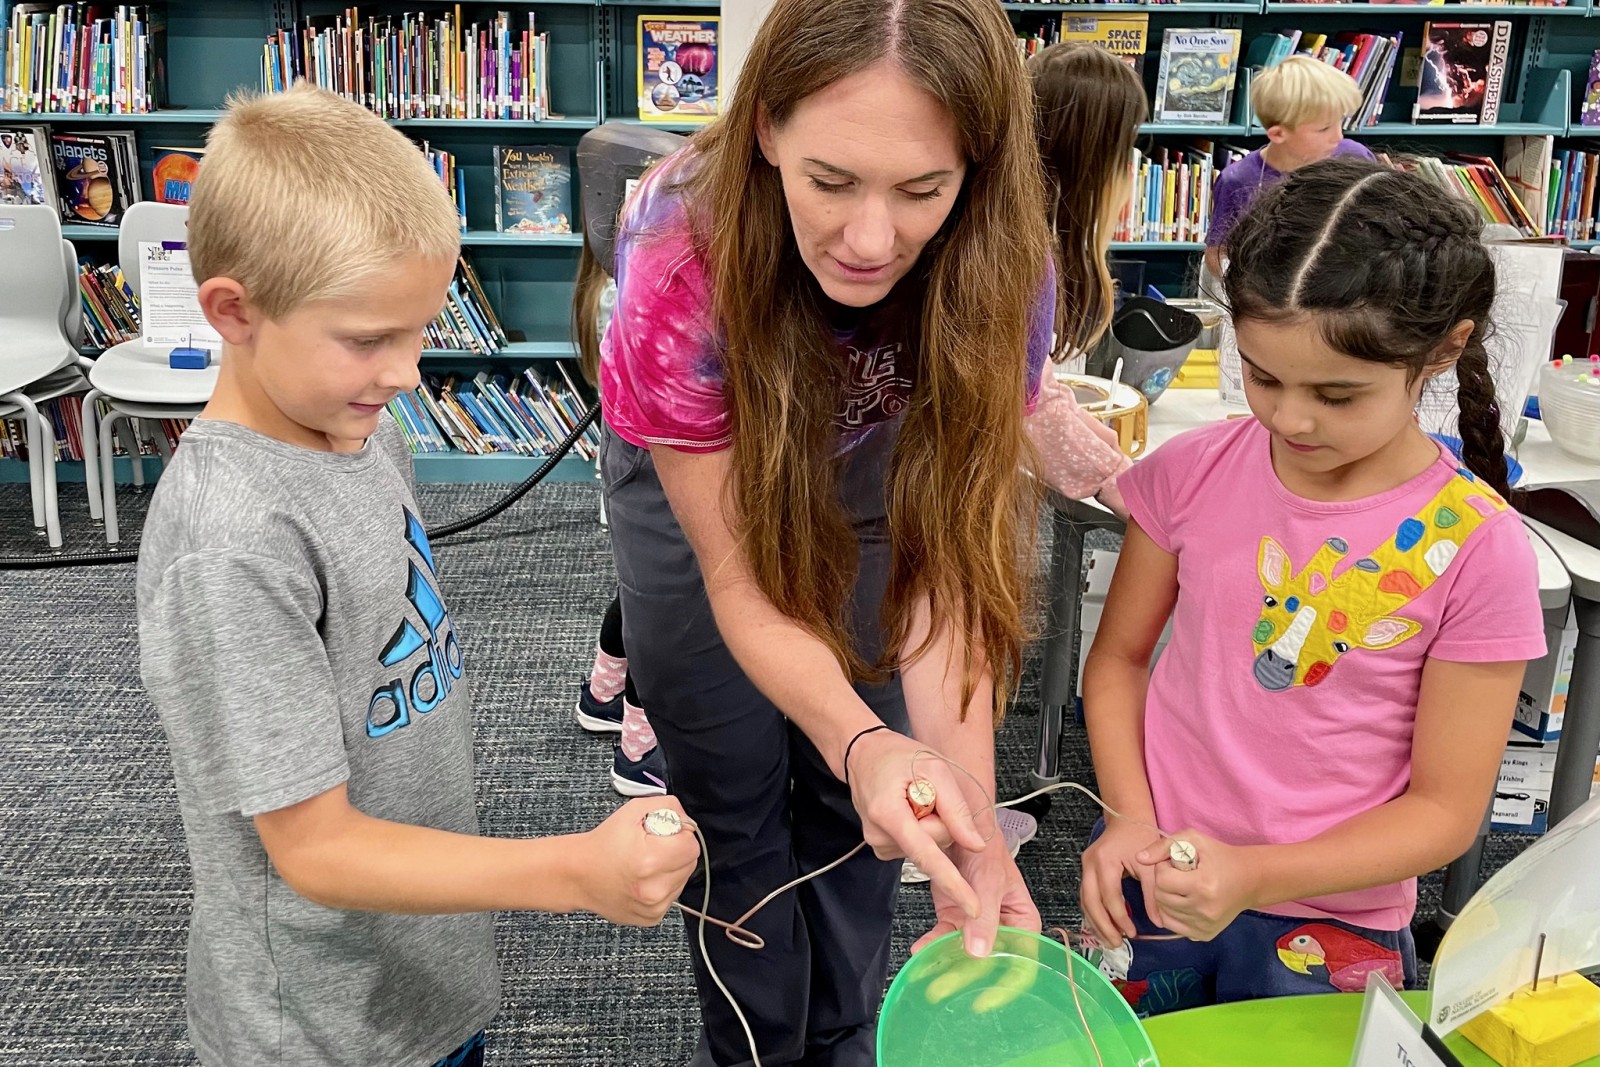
[1171,198]
[1369,58]
[496,412]
[1558,188]
[66,422]
[418,66]
[68,59]
[467,323]
[110,306]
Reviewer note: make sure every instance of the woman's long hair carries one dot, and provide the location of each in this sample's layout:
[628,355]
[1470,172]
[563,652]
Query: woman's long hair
[960,517]
[1089,106]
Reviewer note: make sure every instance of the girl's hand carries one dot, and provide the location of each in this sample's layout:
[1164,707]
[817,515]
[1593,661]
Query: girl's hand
[882,766]
[1114,855]
[1003,897]
[1199,904]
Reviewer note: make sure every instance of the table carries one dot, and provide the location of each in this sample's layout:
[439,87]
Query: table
[1314,1031]
[1179,410]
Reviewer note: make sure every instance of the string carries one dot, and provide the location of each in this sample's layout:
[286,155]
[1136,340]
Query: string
[746,938]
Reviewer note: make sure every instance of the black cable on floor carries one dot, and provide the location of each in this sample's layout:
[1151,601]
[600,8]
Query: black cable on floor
[101,559]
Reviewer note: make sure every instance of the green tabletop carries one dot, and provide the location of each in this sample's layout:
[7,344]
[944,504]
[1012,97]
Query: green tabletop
[1315,1031]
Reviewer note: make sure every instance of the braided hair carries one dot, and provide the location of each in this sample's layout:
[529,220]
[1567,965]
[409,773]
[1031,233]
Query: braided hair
[1387,265]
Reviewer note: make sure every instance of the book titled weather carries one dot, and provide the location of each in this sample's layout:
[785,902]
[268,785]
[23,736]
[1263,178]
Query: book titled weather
[678,69]
[533,189]
[1195,83]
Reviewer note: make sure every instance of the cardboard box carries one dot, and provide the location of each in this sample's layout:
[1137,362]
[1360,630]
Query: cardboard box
[1542,704]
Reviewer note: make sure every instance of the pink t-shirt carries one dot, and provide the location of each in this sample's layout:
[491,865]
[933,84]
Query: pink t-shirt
[1286,699]
[661,371]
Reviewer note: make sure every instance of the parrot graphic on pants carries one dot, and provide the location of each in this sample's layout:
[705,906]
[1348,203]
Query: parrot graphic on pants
[1347,956]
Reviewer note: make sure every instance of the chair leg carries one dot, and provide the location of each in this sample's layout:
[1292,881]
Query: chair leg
[108,474]
[90,417]
[52,505]
[163,446]
[136,451]
[30,428]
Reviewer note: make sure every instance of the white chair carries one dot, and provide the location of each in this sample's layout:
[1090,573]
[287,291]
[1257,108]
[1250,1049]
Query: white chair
[134,381]
[39,308]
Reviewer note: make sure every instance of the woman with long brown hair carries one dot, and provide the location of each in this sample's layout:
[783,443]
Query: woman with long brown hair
[834,312]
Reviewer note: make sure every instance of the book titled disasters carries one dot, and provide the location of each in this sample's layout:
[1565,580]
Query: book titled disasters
[1463,72]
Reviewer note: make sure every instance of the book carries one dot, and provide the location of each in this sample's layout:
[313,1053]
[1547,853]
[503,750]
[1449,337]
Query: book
[95,176]
[1462,73]
[1123,35]
[533,189]
[173,173]
[1589,106]
[679,63]
[1527,169]
[1195,82]
[27,170]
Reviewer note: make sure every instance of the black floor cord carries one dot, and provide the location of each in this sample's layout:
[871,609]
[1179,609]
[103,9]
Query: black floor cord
[101,559]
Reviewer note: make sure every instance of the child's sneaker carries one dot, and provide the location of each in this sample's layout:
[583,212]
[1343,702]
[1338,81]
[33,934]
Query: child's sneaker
[645,777]
[598,717]
[1018,827]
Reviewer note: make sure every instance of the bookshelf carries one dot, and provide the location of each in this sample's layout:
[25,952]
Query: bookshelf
[1550,50]
[214,47]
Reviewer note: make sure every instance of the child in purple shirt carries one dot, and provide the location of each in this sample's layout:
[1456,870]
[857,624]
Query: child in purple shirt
[1302,102]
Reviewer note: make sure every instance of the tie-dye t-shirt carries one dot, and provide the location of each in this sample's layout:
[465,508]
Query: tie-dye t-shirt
[661,370]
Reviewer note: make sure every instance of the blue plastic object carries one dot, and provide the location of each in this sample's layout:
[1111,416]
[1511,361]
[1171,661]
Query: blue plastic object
[184,358]
[1513,468]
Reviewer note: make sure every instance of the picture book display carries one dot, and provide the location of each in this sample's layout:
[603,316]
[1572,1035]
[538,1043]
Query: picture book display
[1123,35]
[173,173]
[679,68]
[1196,79]
[27,171]
[1589,108]
[533,189]
[1463,72]
[97,175]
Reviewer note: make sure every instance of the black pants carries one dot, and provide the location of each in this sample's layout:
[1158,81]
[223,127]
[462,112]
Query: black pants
[764,798]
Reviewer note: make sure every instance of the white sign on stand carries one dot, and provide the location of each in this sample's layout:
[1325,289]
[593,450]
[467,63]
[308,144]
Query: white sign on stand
[1390,1032]
[169,300]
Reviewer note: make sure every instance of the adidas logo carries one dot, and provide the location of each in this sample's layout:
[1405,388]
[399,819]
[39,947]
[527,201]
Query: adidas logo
[393,705]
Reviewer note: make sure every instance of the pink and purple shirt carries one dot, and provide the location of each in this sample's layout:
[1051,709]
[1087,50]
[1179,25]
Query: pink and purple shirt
[662,375]
[1286,700]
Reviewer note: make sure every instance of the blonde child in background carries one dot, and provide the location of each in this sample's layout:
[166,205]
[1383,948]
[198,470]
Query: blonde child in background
[1303,103]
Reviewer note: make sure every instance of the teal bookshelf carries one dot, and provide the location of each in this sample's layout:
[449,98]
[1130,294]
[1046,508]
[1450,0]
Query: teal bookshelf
[214,48]
[1550,49]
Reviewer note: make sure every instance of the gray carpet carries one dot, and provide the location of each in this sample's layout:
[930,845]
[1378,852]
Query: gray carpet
[93,875]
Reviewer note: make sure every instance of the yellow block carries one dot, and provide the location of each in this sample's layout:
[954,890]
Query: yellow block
[1199,371]
[1556,1027]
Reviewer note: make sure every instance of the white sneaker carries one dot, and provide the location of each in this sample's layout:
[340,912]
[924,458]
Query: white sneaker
[1018,827]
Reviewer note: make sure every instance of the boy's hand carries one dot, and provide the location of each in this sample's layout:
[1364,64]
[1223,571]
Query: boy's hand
[1199,904]
[1116,854]
[632,877]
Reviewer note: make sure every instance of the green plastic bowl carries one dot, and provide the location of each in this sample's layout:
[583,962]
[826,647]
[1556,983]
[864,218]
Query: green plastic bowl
[1013,1009]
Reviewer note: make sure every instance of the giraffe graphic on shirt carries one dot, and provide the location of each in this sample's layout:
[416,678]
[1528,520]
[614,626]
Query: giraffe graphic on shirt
[1311,617]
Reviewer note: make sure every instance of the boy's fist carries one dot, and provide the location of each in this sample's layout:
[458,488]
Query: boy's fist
[631,876]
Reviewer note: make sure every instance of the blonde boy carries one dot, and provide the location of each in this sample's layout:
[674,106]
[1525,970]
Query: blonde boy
[1303,103]
[295,641]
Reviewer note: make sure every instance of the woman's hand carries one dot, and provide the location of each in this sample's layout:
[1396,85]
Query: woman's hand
[1003,899]
[1199,904]
[882,765]
[1116,854]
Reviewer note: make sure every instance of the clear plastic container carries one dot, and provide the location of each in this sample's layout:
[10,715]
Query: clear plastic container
[1014,1009]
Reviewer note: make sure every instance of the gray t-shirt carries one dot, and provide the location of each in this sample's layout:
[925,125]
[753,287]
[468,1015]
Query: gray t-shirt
[292,636]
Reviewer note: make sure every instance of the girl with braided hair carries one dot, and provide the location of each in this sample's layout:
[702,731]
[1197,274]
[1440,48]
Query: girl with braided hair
[1352,611]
